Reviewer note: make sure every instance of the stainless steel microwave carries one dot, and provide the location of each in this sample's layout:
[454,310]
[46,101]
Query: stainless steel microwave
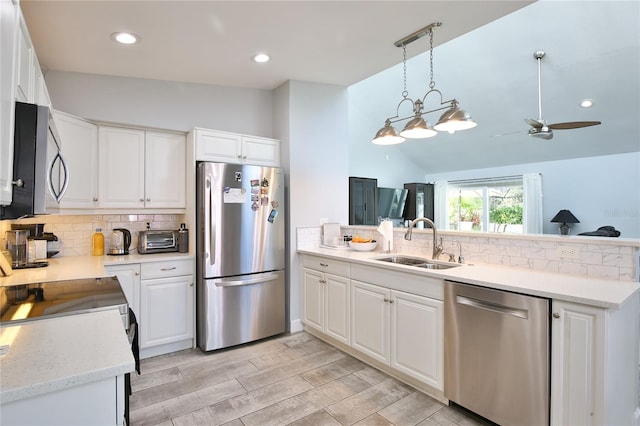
[39,170]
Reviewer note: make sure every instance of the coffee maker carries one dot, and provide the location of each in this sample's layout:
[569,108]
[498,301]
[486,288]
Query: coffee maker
[120,242]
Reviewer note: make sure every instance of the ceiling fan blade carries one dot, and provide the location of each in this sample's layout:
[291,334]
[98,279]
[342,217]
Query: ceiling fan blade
[573,125]
[534,123]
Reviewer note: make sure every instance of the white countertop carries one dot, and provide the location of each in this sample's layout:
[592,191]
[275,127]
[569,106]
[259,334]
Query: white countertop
[53,354]
[76,267]
[600,292]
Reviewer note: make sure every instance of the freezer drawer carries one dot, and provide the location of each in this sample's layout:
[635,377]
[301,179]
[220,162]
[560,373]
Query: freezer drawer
[240,309]
[497,354]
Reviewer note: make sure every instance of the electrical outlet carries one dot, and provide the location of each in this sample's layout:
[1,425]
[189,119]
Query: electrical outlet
[568,252]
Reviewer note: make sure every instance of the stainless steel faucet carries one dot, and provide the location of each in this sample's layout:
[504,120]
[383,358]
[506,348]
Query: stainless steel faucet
[437,249]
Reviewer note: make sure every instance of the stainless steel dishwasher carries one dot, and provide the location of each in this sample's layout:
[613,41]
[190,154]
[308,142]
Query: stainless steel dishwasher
[497,354]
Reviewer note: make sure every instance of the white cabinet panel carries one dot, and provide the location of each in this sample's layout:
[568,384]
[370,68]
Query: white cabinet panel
[326,300]
[121,177]
[129,278]
[79,140]
[417,337]
[166,310]
[370,320]
[224,147]
[24,65]
[165,170]
[8,33]
[141,169]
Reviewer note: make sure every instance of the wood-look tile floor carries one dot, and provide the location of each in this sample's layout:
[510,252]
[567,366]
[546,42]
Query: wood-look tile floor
[293,379]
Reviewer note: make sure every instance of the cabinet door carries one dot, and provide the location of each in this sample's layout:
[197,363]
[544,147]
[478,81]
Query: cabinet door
[218,146]
[8,31]
[24,65]
[129,277]
[165,170]
[260,151]
[336,307]
[370,320]
[79,140]
[417,343]
[313,296]
[577,357]
[363,201]
[166,310]
[121,171]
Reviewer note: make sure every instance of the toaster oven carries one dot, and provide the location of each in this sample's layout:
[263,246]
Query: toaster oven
[157,241]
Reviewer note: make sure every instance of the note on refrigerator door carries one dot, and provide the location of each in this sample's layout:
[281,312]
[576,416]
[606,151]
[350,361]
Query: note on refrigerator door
[235,195]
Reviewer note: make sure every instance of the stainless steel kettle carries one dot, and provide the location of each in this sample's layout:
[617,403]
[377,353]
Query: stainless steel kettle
[120,241]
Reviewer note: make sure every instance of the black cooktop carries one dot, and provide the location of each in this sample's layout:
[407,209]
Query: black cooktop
[26,302]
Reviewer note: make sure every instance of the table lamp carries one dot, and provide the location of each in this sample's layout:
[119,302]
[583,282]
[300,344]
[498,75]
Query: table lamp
[564,217]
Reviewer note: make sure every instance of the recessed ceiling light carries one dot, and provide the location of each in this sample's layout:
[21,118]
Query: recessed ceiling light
[261,58]
[125,38]
[586,103]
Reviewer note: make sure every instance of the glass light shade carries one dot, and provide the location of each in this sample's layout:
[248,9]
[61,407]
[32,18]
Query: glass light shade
[455,119]
[387,136]
[418,128]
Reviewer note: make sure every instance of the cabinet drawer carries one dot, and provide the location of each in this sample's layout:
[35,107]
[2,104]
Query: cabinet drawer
[170,268]
[330,266]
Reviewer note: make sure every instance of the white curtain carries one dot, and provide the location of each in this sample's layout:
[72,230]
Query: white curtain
[440,205]
[532,209]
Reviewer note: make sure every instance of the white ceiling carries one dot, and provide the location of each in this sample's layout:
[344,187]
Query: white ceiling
[592,51]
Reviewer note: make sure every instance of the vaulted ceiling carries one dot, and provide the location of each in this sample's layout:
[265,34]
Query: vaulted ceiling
[483,57]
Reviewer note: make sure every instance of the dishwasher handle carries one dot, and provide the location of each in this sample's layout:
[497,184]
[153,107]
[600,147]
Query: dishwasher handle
[493,307]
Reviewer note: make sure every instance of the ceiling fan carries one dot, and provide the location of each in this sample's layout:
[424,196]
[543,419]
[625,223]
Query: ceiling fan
[539,127]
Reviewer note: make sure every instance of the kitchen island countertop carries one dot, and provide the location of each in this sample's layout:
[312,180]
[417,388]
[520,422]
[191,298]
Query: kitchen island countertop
[600,292]
[46,355]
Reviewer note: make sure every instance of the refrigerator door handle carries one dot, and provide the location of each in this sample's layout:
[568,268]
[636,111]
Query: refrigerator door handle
[210,230]
[222,282]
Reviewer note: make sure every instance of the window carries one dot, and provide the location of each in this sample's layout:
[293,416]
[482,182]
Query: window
[488,205]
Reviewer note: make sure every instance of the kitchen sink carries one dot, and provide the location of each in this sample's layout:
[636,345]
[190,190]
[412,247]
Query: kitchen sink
[417,262]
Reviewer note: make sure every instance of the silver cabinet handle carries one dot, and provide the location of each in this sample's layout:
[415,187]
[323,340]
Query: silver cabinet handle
[168,269]
[95,199]
[148,199]
[136,273]
[556,315]
[142,200]
[390,300]
[386,300]
[324,265]
[191,284]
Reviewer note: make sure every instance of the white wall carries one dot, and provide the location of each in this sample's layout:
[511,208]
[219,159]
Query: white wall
[311,120]
[599,191]
[162,104]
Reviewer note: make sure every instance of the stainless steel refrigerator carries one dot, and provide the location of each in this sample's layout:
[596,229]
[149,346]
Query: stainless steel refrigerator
[240,241]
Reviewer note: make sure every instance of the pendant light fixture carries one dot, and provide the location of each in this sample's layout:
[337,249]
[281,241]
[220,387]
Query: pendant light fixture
[418,127]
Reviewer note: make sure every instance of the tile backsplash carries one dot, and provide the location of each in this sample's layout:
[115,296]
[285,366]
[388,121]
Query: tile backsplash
[75,232]
[611,258]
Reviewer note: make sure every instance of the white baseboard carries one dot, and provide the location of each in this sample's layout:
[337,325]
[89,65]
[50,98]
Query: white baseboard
[295,326]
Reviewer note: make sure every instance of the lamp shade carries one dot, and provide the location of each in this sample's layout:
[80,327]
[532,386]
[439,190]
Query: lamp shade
[387,135]
[565,216]
[455,119]
[418,128]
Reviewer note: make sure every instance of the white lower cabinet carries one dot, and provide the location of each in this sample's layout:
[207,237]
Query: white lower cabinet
[400,329]
[326,297]
[594,374]
[95,403]
[162,296]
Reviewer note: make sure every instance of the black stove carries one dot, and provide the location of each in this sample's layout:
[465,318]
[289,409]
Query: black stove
[28,302]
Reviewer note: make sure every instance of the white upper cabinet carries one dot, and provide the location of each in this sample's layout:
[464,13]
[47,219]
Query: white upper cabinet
[141,169]
[164,170]
[24,65]
[121,171]
[79,142]
[224,147]
[8,32]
